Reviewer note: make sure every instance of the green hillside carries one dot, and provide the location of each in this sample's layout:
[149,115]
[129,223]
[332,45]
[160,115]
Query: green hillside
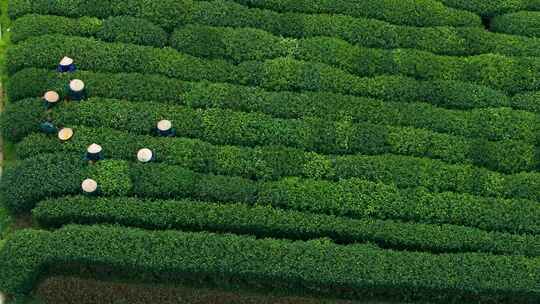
[270,151]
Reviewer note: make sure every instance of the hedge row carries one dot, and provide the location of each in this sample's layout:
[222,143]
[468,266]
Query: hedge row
[265,221]
[166,13]
[492,7]
[527,101]
[113,29]
[406,12]
[37,25]
[489,123]
[318,266]
[510,74]
[279,74]
[353,197]
[43,176]
[311,134]
[272,163]
[520,23]
[171,14]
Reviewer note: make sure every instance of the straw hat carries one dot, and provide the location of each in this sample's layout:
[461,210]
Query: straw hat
[76,85]
[164,125]
[66,61]
[145,155]
[94,149]
[51,97]
[65,134]
[89,185]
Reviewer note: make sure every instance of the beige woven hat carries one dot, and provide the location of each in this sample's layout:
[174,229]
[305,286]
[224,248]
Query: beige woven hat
[76,85]
[164,125]
[145,155]
[66,61]
[94,148]
[89,185]
[51,97]
[65,134]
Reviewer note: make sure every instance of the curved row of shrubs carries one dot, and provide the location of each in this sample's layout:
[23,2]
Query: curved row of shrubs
[266,221]
[272,163]
[221,126]
[123,29]
[171,14]
[510,74]
[405,12]
[489,123]
[520,23]
[527,101]
[279,74]
[492,8]
[45,176]
[170,255]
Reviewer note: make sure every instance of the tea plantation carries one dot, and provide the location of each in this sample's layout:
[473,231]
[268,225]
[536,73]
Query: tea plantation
[272,151]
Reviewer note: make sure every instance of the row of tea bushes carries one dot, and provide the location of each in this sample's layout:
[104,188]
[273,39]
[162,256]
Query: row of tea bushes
[406,12]
[318,266]
[124,29]
[489,123]
[509,74]
[278,74]
[492,8]
[171,14]
[521,23]
[32,82]
[353,197]
[272,163]
[266,221]
[221,126]
[245,44]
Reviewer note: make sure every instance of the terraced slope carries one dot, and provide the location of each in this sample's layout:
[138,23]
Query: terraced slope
[342,149]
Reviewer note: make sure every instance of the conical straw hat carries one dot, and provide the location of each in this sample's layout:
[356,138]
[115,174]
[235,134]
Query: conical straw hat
[51,97]
[89,185]
[66,61]
[144,155]
[65,134]
[76,85]
[164,125]
[94,148]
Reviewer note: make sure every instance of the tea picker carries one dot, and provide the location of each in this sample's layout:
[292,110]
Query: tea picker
[93,153]
[66,65]
[89,186]
[77,90]
[47,127]
[145,155]
[164,128]
[50,99]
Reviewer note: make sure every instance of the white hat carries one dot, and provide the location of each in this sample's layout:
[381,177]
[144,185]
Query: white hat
[66,61]
[2,298]
[145,155]
[89,185]
[94,148]
[76,85]
[65,134]
[51,97]
[164,125]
